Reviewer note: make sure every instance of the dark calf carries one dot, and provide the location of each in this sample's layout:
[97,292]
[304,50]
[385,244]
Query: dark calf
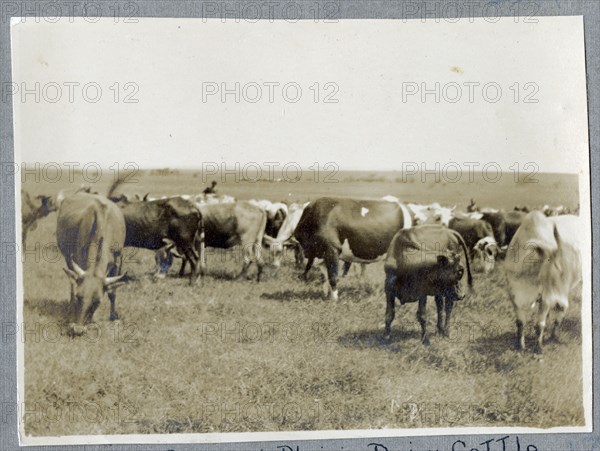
[441,280]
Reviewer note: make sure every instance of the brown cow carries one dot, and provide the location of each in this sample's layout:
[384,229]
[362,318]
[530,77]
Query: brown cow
[90,234]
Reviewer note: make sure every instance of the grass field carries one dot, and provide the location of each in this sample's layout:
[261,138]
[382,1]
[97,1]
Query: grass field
[233,355]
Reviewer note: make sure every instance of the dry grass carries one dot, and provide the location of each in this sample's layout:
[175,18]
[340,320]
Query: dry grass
[296,362]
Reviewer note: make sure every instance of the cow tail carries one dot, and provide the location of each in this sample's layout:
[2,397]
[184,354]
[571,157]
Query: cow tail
[86,239]
[464,247]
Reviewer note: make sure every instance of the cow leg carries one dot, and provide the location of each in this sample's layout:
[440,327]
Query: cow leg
[347,266]
[252,253]
[363,268]
[449,306]
[259,262]
[309,265]
[332,263]
[326,286]
[113,310]
[299,256]
[422,318]
[245,267]
[522,315]
[164,260]
[390,297]
[112,296]
[439,304]
[541,326]
[561,311]
[183,265]
[190,257]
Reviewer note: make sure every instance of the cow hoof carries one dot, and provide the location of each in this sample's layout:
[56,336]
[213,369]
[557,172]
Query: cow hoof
[76,330]
[114,316]
[425,341]
[386,337]
[518,346]
[538,350]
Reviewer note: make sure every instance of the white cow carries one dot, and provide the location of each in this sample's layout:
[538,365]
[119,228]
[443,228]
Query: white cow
[425,214]
[543,261]
[285,236]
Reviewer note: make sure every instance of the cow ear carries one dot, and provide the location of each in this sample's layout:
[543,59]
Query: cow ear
[442,260]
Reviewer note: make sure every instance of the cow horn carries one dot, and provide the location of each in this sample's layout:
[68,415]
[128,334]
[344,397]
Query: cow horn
[268,240]
[80,272]
[108,281]
[146,197]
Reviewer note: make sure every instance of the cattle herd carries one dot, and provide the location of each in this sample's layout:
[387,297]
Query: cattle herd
[426,249]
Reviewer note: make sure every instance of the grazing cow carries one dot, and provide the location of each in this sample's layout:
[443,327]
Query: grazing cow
[504,224]
[543,259]
[513,220]
[175,221]
[352,230]
[498,223]
[90,234]
[285,236]
[487,251]
[33,209]
[479,238]
[425,261]
[276,214]
[230,224]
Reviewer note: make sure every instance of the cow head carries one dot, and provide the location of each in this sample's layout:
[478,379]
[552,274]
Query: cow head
[487,250]
[431,214]
[87,291]
[449,272]
[47,205]
[274,222]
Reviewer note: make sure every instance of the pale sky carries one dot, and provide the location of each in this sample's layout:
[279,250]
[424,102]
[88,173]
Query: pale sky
[370,63]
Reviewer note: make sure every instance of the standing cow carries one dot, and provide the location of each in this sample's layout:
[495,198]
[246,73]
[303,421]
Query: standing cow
[276,214]
[353,230]
[166,222]
[543,259]
[90,234]
[285,236]
[479,238]
[504,224]
[230,224]
[425,261]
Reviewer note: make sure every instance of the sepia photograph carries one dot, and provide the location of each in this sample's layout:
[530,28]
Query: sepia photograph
[242,230]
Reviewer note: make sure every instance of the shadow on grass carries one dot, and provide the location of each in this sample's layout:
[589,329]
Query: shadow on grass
[346,294]
[293,295]
[495,345]
[373,339]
